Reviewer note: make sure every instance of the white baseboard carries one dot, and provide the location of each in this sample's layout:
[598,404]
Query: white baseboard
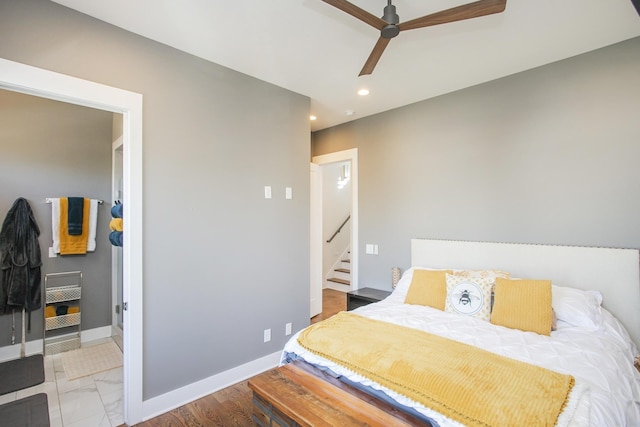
[95,334]
[11,352]
[164,403]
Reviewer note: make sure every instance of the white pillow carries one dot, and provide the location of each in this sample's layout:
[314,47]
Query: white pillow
[577,307]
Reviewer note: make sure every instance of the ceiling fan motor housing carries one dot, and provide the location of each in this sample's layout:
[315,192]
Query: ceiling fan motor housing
[391,17]
[390,31]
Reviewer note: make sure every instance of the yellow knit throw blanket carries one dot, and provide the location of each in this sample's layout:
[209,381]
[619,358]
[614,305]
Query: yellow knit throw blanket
[465,383]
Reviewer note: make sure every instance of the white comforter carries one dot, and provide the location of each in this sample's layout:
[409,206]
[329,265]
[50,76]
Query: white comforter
[607,390]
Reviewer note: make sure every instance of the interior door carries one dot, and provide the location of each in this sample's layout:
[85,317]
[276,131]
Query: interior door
[116,252]
[315,268]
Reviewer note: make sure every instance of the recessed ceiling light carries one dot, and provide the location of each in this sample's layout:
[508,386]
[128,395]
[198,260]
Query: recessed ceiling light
[363,92]
[312,118]
[349,112]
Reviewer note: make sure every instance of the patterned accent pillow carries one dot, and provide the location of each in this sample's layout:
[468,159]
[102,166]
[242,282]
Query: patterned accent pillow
[470,295]
[483,273]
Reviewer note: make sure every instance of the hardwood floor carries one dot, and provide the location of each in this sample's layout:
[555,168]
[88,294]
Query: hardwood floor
[332,303]
[231,407]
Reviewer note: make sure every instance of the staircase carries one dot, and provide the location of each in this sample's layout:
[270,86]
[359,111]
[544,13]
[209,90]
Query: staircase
[341,278]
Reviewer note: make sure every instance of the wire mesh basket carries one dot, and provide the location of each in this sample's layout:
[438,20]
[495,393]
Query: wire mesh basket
[63,321]
[63,293]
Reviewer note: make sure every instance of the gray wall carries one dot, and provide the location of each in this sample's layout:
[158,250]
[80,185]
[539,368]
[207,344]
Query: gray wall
[52,149]
[221,263]
[545,156]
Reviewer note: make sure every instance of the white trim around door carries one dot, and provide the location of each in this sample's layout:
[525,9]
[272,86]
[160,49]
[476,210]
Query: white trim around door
[350,155]
[47,84]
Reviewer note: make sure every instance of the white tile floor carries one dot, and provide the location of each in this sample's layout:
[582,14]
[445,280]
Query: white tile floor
[94,401]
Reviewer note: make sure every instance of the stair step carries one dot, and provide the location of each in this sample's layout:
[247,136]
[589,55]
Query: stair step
[341,281]
[343,270]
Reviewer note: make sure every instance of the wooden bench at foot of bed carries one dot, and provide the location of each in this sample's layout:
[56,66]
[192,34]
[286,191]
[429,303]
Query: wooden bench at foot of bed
[298,394]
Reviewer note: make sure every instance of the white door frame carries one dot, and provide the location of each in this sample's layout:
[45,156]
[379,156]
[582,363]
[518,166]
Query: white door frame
[350,155]
[47,84]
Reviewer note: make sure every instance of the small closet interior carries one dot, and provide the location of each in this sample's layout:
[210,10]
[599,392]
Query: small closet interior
[54,149]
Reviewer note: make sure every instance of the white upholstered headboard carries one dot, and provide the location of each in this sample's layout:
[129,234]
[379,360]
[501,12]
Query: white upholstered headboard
[613,272]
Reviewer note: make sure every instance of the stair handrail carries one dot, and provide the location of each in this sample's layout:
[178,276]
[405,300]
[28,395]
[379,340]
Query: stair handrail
[339,228]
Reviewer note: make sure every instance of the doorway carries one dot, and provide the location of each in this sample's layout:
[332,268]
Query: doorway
[47,84]
[351,158]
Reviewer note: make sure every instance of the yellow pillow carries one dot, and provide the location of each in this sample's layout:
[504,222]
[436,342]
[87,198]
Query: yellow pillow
[523,304]
[428,287]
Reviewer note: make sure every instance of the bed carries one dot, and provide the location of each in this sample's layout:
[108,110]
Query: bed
[581,373]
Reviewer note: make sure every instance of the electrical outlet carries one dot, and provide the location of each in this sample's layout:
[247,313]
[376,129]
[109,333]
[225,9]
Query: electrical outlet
[287,329]
[267,335]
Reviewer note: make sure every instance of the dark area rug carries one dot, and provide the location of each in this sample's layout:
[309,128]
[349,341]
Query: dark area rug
[32,411]
[21,373]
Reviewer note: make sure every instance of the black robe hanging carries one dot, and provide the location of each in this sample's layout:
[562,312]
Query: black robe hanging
[20,260]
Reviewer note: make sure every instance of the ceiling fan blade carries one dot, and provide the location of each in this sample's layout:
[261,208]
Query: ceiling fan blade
[357,12]
[459,13]
[376,53]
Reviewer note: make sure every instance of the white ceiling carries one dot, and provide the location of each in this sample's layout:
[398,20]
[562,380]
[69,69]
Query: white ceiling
[314,49]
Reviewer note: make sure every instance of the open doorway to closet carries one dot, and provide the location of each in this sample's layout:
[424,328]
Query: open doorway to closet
[29,80]
[50,151]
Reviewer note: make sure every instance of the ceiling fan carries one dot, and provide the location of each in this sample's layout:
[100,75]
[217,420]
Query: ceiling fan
[390,26]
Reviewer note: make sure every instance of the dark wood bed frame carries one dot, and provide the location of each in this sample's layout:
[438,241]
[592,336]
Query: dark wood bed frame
[297,394]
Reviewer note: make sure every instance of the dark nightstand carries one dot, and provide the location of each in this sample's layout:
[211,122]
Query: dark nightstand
[365,296]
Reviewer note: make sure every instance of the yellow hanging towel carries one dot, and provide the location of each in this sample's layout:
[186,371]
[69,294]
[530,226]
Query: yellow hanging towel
[73,245]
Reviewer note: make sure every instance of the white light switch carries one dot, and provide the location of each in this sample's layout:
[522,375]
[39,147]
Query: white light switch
[267,192]
[288,193]
[52,253]
[371,249]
